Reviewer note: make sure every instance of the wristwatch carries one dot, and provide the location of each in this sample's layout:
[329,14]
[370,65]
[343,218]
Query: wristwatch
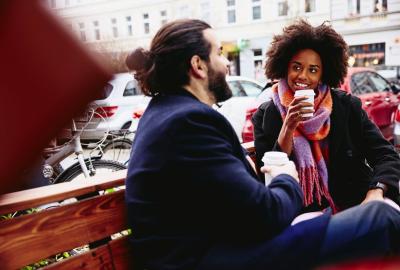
[381,186]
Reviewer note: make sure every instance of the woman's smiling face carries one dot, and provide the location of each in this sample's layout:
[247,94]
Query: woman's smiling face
[304,70]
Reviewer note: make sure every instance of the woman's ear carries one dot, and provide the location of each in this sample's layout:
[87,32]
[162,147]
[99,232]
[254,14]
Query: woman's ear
[198,67]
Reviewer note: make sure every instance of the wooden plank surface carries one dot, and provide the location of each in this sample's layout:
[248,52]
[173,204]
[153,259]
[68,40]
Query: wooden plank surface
[26,199]
[29,238]
[122,253]
[98,258]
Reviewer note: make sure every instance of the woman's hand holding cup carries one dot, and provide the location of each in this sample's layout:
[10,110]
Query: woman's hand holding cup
[299,110]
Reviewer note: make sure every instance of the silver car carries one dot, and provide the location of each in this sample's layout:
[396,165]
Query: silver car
[114,110]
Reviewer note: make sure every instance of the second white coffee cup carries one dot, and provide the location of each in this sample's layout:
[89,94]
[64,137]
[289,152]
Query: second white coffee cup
[309,93]
[274,158]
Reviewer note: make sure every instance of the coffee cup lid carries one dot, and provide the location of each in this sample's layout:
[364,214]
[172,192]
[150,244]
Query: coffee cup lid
[275,158]
[305,92]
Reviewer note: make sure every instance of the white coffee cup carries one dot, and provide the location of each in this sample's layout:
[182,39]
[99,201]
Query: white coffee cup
[309,93]
[274,158]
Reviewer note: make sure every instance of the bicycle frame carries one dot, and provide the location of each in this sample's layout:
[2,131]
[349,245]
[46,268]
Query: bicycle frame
[73,146]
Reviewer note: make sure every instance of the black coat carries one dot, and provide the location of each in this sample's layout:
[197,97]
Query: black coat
[193,199]
[359,156]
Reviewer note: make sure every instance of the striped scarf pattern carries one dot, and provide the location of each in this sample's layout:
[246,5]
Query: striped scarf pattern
[310,142]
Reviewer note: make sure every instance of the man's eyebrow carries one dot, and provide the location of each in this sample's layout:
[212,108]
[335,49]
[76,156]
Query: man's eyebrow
[221,48]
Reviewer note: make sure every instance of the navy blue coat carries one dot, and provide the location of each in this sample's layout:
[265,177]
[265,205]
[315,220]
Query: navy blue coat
[194,202]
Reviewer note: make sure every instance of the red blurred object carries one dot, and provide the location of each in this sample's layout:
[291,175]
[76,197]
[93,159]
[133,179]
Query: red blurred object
[376,95]
[396,130]
[248,128]
[385,263]
[47,78]
[397,115]
[138,113]
[105,112]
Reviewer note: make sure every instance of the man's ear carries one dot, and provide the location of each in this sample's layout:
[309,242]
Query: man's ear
[198,67]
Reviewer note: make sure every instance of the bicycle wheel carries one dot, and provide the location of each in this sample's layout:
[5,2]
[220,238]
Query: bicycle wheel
[99,166]
[118,150]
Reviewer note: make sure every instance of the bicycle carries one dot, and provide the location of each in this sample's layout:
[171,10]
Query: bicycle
[118,147]
[53,171]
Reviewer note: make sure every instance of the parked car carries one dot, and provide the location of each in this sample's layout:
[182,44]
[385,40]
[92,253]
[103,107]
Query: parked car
[113,110]
[379,99]
[245,91]
[396,130]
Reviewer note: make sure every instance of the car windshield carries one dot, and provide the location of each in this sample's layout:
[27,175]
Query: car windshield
[380,83]
[236,89]
[251,89]
[368,82]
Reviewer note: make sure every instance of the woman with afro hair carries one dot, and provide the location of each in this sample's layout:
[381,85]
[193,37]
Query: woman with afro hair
[341,156]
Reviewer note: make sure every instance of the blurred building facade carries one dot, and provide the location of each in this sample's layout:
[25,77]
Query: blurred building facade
[245,27]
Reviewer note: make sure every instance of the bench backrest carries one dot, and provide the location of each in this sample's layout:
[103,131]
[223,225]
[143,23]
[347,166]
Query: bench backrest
[27,239]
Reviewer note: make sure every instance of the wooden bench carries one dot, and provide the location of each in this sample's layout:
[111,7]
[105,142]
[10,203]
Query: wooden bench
[27,239]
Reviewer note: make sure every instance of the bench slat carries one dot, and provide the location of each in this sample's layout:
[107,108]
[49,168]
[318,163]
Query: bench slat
[98,258]
[121,253]
[26,199]
[115,255]
[60,229]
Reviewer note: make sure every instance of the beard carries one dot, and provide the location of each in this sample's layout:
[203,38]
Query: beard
[218,86]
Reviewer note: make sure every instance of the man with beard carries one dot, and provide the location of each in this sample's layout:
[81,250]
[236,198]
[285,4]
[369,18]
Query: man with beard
[193,199]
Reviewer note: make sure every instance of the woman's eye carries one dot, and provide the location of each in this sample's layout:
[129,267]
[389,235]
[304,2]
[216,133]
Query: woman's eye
[296,68]
[313,70]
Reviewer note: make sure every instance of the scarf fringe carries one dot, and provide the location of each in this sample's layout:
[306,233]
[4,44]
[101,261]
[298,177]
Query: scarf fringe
[313,187]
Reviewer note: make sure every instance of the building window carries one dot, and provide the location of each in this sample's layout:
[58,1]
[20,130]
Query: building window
[256,12]
[283,8]
[353,7]
[258,65]
[380,6]
[163,14]
[82,31]
[96,30]
[367,54]
[53,3]
[231,16]
[231,11]
[66,3]
[146,23]
[129,25]
[146,28]
[114,27]
[230,3]
[309,6]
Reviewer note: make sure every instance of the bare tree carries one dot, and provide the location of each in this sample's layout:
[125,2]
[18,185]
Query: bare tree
[112,54]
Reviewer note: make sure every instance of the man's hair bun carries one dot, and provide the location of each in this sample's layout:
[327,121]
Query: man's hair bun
[138,60]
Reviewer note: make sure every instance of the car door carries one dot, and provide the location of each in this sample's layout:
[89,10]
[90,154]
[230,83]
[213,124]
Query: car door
[374,92]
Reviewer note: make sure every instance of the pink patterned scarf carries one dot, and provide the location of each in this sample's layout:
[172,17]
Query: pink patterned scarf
[310,142]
